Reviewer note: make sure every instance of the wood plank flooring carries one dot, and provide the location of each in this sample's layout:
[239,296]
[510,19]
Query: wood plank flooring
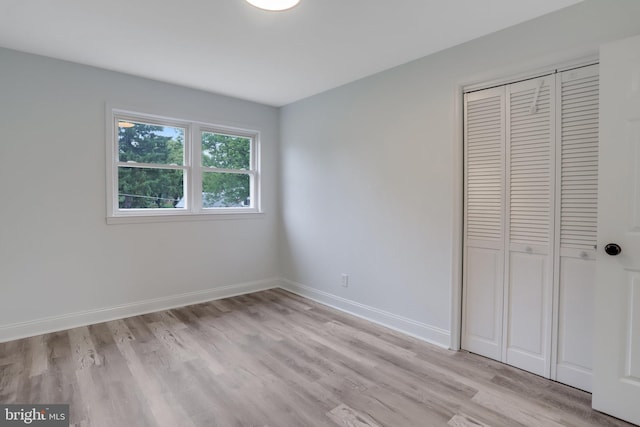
[275,359]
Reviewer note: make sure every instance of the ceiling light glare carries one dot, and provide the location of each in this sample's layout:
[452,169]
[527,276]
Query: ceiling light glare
[273,5]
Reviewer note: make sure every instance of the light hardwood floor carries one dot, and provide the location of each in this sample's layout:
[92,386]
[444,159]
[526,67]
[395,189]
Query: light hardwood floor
[274,359]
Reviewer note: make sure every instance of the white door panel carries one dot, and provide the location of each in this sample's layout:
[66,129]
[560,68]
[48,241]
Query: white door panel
[575,322]
[632,332]
[484,222]
[529,316]
[530,211]
[576,225]
[616,385]
[483,302]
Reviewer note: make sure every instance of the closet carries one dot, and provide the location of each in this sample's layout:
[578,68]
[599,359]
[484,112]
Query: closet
[531,152]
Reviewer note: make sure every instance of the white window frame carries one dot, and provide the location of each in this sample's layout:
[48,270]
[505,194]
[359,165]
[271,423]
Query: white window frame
[192,167]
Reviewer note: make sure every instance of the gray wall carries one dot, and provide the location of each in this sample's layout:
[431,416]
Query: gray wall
[57,254]
[368,169]
[367,173]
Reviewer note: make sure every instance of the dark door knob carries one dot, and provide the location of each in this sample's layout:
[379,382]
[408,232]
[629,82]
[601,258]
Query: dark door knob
[613,249]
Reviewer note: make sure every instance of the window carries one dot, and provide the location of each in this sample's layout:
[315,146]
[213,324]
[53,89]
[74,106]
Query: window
[163,168]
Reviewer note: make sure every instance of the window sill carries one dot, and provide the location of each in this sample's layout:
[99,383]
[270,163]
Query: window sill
[187,217]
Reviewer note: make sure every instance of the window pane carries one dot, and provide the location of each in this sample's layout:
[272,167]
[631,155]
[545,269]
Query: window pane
[225,151]
[147,143]
[225,190]
[142,188]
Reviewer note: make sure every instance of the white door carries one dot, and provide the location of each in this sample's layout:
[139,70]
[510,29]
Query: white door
[531,154]
[616,385]
[576,225]
[484,222]
[530,221]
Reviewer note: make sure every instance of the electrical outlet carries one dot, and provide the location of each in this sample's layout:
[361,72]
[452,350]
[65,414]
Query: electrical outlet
[345,280]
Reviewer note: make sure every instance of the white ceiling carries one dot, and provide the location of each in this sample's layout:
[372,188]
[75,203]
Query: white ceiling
[232,48]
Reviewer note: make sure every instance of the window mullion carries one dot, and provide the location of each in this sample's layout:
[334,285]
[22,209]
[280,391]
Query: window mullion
[150,166]
[187,184]
[196,168]
[255,175]
[222,170]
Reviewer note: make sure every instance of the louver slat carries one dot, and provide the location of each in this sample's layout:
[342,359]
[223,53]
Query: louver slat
[484,157]
[530,139]
[579,160]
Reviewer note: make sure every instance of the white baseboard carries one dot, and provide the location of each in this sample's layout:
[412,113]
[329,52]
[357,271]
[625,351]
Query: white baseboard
[422,331]
[73,320]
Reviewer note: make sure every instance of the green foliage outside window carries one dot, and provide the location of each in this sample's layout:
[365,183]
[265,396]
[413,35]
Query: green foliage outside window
[225,152]
[146,187]
[140,188]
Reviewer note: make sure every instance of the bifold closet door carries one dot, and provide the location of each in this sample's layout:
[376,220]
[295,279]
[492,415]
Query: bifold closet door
[577,200]
[509,223]
[531,175]
[483,270]
[530,224]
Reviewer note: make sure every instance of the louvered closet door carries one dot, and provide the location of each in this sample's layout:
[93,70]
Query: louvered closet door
[530,214]
[577,198]
[484,222]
